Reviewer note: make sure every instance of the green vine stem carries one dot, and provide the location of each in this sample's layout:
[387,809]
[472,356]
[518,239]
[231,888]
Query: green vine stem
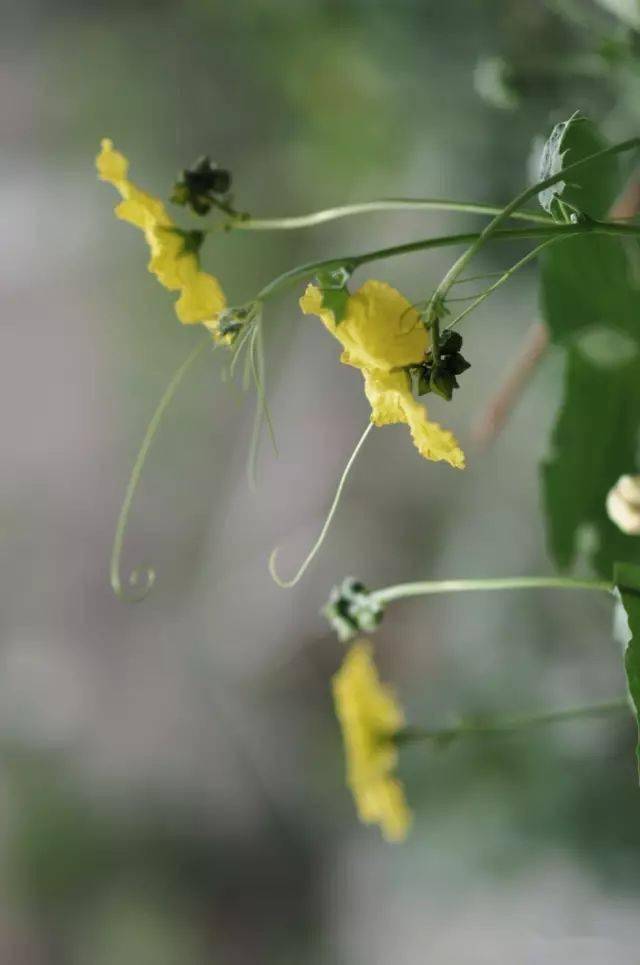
[507,725]
[141,579]
[314,218]
[491,229]
[351,262]
[427,587]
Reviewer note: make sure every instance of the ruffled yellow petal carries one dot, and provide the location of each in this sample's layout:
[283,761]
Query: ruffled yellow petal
[381,335]
[370,716]
[201,296]
[391,401]
[380,329]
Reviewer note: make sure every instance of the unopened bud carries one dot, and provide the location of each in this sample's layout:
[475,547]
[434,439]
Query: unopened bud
[352,609]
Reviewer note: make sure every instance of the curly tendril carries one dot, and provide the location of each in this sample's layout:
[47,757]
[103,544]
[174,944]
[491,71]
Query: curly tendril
[141,579]
[287,584]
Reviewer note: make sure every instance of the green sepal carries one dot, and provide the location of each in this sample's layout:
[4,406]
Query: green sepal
[191,240]
[335,294]
[443,382]
[626,577]
[456,364]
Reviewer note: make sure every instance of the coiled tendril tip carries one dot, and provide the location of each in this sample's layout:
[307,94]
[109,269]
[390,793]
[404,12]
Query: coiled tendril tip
[284,584]
[139,584]
[142,578]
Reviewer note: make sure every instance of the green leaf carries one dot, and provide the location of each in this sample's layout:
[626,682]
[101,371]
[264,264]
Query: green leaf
[594,442]
[590,300]
[590,280]
[627,581]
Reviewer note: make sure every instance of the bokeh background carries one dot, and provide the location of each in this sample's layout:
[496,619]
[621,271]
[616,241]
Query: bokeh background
[171,774]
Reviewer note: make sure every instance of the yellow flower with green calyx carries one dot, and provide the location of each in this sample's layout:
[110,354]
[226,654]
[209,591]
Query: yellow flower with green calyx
[382,334]
[174,265]
[370,716]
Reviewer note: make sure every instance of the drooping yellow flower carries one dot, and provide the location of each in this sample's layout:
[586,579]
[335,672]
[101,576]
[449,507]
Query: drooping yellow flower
[381,334]
[370,716]
[175,267]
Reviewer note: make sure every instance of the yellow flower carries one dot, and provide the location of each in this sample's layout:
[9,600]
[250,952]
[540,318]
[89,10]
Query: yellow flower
[201,297]
[370,717]
[381,334]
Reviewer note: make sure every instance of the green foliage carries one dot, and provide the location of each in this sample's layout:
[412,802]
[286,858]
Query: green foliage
[594,443]
[590,299]
[627,580]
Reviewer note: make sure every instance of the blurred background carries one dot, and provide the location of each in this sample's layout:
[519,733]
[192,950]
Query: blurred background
[171,773]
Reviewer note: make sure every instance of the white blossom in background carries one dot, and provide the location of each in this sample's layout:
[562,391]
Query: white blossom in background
[623,505]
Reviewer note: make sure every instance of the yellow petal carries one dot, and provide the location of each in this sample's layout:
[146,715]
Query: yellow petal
[201,298]
[168,256]
[111,164]
[141,209]
[384,803]
[391,401]
[369,716]
[380,329]
[386,394]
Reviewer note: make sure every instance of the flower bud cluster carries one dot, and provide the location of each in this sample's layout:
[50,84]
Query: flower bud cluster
[352,609]
[202,186]
[439,375]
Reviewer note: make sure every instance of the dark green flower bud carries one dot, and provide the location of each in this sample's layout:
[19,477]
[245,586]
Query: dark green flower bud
[443,382]
[456,364]
[201,186]
[450,342]
[424,380]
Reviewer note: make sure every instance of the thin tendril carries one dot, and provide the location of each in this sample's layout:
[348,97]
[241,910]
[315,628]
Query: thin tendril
[487,274]
[237,348]
[503,278]
[286,584]
[141,579]
[491,230]
[256,354]
[248,361]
